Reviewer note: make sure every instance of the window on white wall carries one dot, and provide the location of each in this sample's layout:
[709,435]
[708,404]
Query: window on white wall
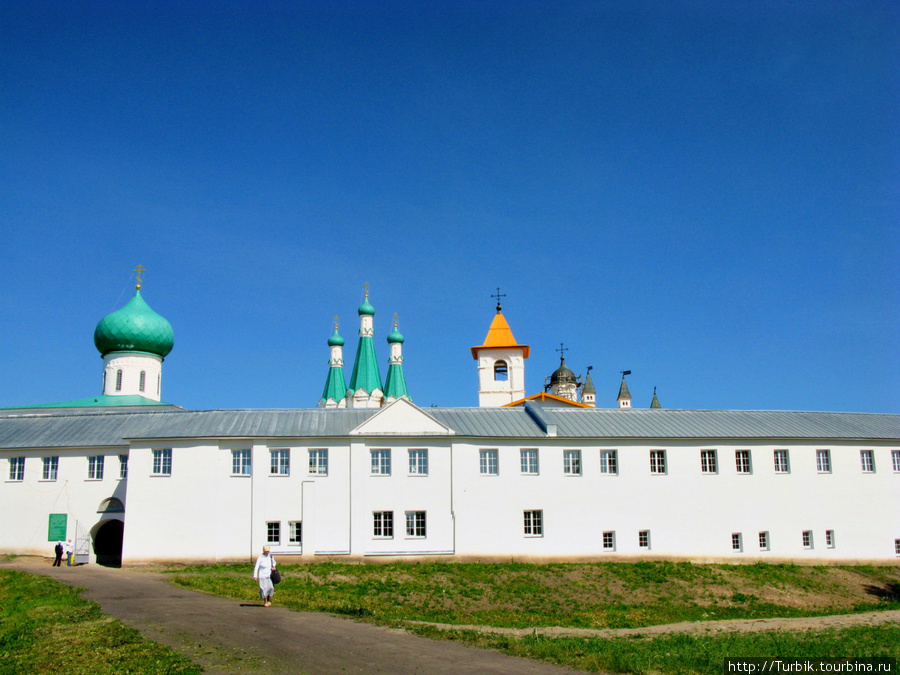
[95,467]
[572,462]
[742,461]
[280,462]
[162,462]
[609,541]
[737,542]
[867,459]
[240,462]
[123,467]
[895,460]
[488,462]
[529,461]
[829,538]
[807,539]
[318,462]
[296,532]
[609,462]
[763,541]
[381,462]
[897,546]
[51,468]
[142,380]
[782,462]
[418,462]
[415,524]
[823,461]
[501,371]
[709,462]
[17,468]
[534,523]
[383,524]
[273,533]
[118,380]
[644,539]
[657,462]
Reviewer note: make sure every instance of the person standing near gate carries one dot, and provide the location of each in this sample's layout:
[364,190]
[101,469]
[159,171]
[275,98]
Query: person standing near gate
[69,551]
[58,550]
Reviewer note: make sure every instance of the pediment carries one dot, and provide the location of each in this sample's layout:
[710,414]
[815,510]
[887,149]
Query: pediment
[402,418]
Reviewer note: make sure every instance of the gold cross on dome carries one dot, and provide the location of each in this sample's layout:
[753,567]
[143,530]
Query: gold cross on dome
[139,270]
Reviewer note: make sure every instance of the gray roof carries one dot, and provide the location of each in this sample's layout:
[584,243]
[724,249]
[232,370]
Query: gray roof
[114,427]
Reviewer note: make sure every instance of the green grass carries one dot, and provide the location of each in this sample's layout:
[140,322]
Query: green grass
[45,627]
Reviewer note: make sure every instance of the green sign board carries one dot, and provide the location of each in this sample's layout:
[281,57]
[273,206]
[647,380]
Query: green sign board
[57,529]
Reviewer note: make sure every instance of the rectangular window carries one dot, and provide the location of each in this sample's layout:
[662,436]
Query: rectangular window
[867,458]
[644,539]
[383,524]
[273,533]
[280,462]
[895,460]
[807,539]
[897,546]
[609,541]
[123,467]
[95,467]
[657,462]
[51,468]
[296,532]
[318,462]
[742,461]
[708,461]
[162,462]
[829,538]
[415,524]
[572,462]
[488,462]
[418,462]
[17,468]
[823,461]
[737,543]
[381,462]
[763,541]
[782,462]
[609,462]
[534,523]
[240,462]
[529,460]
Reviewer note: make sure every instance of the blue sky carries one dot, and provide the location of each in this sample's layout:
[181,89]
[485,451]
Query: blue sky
[704,193]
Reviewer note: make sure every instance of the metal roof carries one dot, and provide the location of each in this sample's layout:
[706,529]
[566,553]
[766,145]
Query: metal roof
[100,428]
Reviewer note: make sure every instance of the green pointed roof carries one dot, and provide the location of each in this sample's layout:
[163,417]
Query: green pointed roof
[134,328]
[654,404]
[365,368]
[588,384]
[395,386]
[335,385]
[623,390]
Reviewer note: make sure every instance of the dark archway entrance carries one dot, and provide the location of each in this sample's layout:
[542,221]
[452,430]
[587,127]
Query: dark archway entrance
[108,543]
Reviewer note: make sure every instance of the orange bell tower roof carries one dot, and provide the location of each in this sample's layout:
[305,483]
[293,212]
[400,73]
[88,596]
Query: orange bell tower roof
[500,336]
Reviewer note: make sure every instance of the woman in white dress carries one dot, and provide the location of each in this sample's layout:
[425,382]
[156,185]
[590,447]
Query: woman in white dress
[263,573]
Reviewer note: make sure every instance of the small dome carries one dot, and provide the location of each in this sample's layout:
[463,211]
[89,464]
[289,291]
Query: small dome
[562,375]
[336,340]
[395,336]
[366,308]
[134,328]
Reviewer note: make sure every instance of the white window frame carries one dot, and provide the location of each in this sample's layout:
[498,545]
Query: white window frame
[737,542]
[273,533]
[609,462]
[50,468]
[123,467]
[657,462]
[16,469]
[897,547]
[318,461]
[782,459]
[867,460]
[380,462]
[162,462]
[829,538]
[95,467]
[530,461]
[572,462]
[241,462]
[764,540]
[709,462]
[418,461]
[609,540]
[895,460]
[807,540]
[489,462]
[743,462]
[823,461]
[416,525]
[534,523]
[644,539]
[382,524]
[295,533]
[279,461]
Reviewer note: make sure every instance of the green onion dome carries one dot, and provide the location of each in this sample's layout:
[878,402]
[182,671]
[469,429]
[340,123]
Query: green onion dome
[395,336]
[336,340]
[134,328]
[366,308]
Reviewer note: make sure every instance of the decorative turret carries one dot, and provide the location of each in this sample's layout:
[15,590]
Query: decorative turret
[133,342]
[624,396]
[395,383]
[335,385]
[563,382]
[501,364]
[365,389]
[588,392]
[654,404]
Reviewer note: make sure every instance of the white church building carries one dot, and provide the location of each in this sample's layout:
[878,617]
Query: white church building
[367,474]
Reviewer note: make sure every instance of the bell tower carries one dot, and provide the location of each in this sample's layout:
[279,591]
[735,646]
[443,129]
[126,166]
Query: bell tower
[501,364]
